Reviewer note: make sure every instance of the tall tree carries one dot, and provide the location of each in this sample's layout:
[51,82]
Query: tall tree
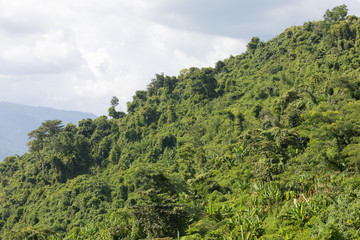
[45,136]
[37,144]
[112,111]
[114,101]
[52,129]
[336,14]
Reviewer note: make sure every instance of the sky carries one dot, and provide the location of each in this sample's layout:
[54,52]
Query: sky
[77,54]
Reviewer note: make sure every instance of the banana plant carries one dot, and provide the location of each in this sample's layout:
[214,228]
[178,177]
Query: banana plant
[269,193]
[219,212]
[302,211]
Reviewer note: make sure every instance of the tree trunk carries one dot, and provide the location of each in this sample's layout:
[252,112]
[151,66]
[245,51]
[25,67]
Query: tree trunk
[42,164]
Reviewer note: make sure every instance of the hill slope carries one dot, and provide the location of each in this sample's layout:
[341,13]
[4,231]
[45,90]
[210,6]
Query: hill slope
[16,121]
[266,145]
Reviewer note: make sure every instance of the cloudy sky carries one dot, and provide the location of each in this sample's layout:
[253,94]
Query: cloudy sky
[77,54]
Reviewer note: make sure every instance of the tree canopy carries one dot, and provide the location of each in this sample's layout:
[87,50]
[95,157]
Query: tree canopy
[265,145]
[336,14]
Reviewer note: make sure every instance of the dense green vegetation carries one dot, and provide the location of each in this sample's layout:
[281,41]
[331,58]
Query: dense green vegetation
[265,145]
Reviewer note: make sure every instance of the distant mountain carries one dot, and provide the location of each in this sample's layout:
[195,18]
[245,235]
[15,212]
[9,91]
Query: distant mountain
[16,121]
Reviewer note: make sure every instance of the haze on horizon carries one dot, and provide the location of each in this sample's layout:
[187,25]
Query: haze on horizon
[76,55]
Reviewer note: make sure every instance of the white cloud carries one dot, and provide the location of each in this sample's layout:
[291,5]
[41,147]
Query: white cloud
[53,52]
[99,62]
[222,46]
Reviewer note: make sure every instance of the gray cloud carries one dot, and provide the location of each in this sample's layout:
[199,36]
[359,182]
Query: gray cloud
[228,18]
[241,18]
[76,55]
[18,27]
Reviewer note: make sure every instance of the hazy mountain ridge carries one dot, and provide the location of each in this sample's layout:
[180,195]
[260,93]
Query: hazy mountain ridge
[17,120]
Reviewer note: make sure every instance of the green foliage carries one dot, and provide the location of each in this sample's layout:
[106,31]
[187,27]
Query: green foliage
[268,193]
[114,101]
[265,145]
[336,14]
[112,111]
[31,233]
[253,44]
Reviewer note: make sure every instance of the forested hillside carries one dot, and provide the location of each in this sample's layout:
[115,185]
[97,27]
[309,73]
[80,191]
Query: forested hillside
[17,120]
[265,145]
